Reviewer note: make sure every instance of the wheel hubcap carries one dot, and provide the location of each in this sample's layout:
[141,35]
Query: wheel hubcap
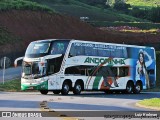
[129,88]
[66,88]
[78,88]
[138,88]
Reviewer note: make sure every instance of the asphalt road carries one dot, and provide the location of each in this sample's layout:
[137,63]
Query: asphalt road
[90,105]
[87,101]
[10,73]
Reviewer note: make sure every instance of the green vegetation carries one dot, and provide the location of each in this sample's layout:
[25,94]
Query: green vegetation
[144,3]
[99,13]
[13,86]
[81,9]
[22,5]
[158,69]
[140,25]
[153,102]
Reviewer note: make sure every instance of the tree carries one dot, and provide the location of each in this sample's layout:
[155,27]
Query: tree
[154,14]
[122,6]
[139,13]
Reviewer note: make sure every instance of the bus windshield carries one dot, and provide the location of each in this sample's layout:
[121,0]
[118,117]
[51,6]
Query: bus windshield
[37,49]
[40,49]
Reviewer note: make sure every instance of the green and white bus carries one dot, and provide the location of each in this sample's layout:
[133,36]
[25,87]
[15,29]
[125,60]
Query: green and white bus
[62,65]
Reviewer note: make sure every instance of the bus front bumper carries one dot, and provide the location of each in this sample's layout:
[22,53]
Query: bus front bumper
[35,86]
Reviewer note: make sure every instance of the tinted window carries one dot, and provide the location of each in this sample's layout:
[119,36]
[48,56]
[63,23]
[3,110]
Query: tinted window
[123,71]
[101,50]
[90,51]
[58,47]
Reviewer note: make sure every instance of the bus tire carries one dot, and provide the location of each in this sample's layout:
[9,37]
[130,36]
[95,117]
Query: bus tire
[129,87]
[44,92]
[56,91]
[65,88]
[138,88]
[77,88]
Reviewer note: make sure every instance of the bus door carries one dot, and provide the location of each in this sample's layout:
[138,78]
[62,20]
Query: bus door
[52,82]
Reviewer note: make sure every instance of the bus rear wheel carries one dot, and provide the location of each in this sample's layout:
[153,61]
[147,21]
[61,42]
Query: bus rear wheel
[129,87]
[56,91]
[44,92]
[65,88]
[138,88]
[77,88]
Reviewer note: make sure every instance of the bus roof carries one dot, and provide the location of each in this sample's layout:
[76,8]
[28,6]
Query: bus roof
[94,42]
[50,40]
[125,45]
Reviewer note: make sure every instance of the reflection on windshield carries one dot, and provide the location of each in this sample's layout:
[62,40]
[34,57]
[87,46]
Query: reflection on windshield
[38,48]
[59,47]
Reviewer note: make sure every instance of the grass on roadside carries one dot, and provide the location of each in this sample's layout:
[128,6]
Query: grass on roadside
[153,102]
[11,86]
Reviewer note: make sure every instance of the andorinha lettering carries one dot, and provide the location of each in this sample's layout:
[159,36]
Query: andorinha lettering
[110,61]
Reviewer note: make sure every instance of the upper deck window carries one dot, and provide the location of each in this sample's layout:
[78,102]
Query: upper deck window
[59,47]
[37,49]
[102,50]
[42,48]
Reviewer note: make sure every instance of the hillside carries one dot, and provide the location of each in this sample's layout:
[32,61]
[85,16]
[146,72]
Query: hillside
[23,21]
[80,9]
[24,26]
[101,16]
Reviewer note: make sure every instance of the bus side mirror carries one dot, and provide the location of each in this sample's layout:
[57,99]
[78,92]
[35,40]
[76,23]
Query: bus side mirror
[16,60]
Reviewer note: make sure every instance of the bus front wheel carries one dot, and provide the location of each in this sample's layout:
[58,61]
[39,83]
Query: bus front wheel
[65,88]
[77,88]
[44,92]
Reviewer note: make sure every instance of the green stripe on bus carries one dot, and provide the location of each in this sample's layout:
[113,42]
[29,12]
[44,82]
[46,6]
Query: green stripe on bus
[96,82]
[41,86]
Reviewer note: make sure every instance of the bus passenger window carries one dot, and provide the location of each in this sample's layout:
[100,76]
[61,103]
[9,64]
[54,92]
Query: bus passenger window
[58,47]
[72,51]
[79,50]
[72,70]
[123,71]
[88,51]
[102,53]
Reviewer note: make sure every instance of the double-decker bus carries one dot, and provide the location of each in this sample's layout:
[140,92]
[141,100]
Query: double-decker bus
[61,65]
